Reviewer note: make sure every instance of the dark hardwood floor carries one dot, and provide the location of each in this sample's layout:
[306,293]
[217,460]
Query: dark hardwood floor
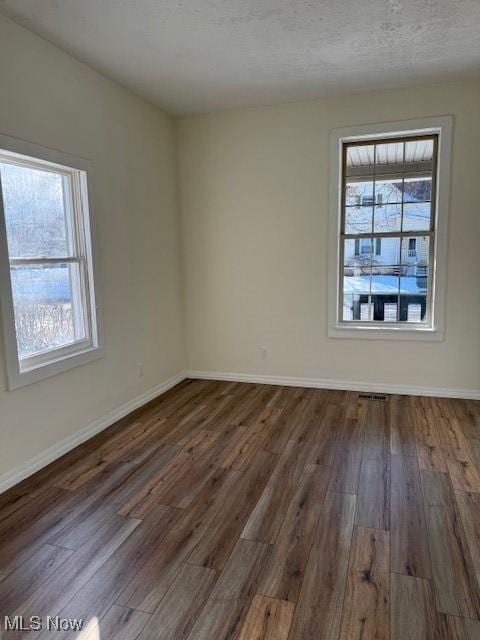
[252,512]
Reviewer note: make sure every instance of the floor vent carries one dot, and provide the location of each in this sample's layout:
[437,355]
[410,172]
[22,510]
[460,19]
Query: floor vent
[372,396]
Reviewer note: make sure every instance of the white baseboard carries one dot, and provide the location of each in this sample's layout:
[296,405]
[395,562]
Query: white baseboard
[22,471]
[347,385]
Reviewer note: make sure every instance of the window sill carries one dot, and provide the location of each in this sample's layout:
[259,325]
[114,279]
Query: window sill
[358,332]
[18,378]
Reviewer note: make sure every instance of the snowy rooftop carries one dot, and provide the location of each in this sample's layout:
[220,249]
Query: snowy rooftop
[383,285]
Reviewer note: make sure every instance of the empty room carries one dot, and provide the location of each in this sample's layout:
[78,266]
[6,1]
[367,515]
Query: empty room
[239,320]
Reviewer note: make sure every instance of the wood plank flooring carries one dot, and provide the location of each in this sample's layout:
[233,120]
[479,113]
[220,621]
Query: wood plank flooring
[230,511]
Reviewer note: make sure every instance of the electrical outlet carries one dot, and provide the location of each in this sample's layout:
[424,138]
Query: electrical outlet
[140,369]
[263,352]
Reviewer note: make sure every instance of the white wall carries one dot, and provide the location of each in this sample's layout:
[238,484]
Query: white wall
[254,201]
[50,99]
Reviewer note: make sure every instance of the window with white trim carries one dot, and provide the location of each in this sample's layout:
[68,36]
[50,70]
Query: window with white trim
[48,290]
[389,252]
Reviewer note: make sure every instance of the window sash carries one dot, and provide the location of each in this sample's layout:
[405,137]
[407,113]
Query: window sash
[430,274]
[404,174]
[342,236]
[82,299]
[22,370]
[75,229]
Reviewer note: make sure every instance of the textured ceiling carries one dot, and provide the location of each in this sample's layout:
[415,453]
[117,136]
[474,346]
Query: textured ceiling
[199,55]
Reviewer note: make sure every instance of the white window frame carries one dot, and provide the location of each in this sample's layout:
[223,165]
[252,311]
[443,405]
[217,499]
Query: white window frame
[442,126]
[21,372]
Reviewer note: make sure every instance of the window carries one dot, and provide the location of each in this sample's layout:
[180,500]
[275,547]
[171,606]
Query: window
[48,289]
[365,246]
[412,247]
[387,242]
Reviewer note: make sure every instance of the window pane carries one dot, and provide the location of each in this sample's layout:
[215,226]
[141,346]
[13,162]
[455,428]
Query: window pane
[358,219]
[365,310]
[390,153]
[388,191]
[388,218]
[389,254]
[419,150]
[414,312]
[412,284]
[356,284]
[415,252]
[47,306]
[416,216]
[35,212]
[417,189]
[359,156]
[357,256]
[385,280]
[390,311]
[413,308]
[359,193]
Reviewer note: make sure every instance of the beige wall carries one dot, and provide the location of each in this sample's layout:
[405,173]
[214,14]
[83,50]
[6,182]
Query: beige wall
[50,99]
[253,186]
[254,201]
